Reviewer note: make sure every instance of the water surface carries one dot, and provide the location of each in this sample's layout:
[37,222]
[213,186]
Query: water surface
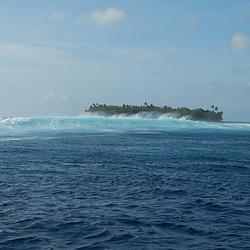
[123,183]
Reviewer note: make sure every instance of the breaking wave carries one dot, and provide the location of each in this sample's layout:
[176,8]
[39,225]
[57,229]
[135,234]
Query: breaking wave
[10,126]
[144,115]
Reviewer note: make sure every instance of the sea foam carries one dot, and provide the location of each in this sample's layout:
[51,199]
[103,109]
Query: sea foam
[143,122]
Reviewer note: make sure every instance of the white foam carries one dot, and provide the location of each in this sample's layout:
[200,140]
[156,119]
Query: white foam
[150,122]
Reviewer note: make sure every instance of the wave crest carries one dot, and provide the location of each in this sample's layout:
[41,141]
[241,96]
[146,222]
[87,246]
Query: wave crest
[150,122]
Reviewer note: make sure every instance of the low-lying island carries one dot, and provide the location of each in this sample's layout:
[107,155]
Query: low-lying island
[197,114]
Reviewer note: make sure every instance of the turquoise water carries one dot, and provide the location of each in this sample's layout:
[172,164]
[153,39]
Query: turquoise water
[99,124]
[91,182]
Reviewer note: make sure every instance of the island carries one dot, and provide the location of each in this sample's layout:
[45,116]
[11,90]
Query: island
[198,114]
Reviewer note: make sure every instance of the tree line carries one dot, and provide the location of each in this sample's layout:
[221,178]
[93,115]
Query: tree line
[211,114]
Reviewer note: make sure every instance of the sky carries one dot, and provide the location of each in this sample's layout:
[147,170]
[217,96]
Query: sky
[57,57]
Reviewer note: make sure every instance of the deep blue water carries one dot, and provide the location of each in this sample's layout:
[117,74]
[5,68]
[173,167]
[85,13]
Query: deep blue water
[120,183]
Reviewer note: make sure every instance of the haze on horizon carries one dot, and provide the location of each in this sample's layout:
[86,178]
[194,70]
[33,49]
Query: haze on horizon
[57,57]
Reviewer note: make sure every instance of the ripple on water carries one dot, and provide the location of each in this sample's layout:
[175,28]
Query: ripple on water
[162,190]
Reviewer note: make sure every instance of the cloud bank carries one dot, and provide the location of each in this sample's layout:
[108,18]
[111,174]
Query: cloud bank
[42,54]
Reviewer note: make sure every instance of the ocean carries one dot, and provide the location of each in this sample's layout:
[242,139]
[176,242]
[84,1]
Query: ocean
[92,182]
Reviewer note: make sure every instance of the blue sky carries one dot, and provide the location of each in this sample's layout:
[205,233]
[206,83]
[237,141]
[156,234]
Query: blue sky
[57,57]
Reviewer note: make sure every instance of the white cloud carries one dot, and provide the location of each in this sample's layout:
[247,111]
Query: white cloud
[108,16]
[56,16]
[240,43]
[145,53]
[41,54]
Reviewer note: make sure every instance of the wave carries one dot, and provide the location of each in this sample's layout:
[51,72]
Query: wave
[15,126]
[142,115]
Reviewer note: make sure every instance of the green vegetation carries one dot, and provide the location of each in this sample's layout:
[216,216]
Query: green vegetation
[199,114]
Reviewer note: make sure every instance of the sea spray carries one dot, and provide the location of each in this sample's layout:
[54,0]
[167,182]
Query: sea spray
[120,123]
